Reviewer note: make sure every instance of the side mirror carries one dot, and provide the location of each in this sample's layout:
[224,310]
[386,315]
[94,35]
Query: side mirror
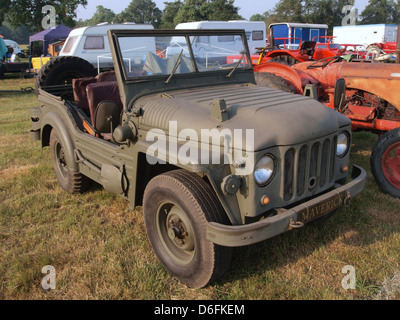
[340,94]
[107,117]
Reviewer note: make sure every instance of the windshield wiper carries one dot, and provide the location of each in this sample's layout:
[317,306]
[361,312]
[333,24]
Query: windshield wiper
[235,66]
[177,63]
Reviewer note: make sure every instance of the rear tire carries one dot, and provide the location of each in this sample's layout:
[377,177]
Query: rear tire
[177,207]
[71,182]
[385,162]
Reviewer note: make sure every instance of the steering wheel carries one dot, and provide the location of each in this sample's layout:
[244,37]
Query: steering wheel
[324,62]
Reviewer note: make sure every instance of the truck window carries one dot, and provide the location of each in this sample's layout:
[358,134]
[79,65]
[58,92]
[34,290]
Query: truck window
[258,35]
[94,43]
[70,44]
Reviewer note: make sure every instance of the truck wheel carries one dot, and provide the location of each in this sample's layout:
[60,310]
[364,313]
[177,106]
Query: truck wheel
[61,70]
[270,80]
[385,162]
[69,181]
[177,207]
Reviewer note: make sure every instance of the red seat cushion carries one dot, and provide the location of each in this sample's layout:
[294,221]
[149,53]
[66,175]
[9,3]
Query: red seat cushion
[98,92]
[79,89]
[107,76]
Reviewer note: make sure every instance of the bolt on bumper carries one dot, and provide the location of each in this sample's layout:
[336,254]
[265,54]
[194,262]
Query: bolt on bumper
[288,219]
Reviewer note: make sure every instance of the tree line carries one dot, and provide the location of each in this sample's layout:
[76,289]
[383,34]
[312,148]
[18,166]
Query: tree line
[146,11]
[19,17]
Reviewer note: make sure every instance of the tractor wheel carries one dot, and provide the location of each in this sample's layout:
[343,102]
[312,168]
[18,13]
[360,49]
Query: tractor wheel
[177,207]
[385,162]
[270,80]
[284,59]
[62,70]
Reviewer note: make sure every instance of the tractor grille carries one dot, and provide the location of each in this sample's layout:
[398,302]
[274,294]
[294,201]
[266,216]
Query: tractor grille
[308,168]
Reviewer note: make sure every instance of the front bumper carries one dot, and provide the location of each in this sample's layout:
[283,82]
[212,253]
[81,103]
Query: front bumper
[285,220]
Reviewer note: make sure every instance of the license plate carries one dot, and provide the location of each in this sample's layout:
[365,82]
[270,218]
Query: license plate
[320,209]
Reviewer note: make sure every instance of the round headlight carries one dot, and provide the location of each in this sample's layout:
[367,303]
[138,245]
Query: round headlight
[264,170]
[343,144]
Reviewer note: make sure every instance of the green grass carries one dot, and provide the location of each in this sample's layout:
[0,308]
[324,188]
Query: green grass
[99,247]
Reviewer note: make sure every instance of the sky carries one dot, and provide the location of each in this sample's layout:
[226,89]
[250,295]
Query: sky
[247,7]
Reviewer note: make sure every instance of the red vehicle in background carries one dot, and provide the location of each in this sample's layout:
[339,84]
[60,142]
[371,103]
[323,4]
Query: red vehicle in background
[367,93]
[294,50]
[327,48]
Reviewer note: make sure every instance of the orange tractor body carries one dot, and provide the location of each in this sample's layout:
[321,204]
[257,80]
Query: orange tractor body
[367,93]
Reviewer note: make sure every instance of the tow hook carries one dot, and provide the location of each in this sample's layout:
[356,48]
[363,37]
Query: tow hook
[347,200]
[295,224]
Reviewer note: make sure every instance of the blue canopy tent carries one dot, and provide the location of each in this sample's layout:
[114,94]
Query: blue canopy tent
[49,35]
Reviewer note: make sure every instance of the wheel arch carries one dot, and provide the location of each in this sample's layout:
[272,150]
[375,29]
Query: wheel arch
[287,73]
[53,120]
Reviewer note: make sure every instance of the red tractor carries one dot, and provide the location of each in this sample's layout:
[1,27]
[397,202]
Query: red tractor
[294,50]
[367,93]
[291,53]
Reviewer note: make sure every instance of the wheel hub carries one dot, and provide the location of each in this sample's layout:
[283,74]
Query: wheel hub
[178,232]
[391,164]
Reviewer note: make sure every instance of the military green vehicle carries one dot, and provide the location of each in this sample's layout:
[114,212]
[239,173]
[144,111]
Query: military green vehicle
[216,161]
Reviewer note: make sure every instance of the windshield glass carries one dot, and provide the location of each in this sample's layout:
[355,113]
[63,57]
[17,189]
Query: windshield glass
[161,55]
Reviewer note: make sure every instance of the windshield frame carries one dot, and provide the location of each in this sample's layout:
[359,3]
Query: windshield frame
[114,35]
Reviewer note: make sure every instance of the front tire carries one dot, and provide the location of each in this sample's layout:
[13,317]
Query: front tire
[177,207]
[71,182]
[385,162]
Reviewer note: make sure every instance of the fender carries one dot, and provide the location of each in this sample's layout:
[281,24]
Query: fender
[283,71]
[54,120]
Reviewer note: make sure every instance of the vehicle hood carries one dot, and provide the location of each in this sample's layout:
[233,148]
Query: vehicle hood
[277,118]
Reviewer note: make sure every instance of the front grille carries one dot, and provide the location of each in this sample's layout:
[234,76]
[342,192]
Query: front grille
[308,168]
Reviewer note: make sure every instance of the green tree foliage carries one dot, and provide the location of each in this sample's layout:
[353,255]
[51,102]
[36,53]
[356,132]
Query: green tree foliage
[29,12]
[202,10]
[102,15]
[381,11]
[19,34]
[141,11]
[170,11]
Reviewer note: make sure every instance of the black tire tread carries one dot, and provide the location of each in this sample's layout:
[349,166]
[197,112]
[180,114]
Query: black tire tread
[76,182]
[384,142]
[46,73]
[203,198]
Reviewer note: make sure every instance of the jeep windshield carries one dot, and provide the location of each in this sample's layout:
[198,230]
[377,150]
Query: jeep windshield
[165,53]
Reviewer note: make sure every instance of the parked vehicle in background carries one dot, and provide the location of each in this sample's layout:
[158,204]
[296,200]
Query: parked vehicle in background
[326,48]
[55,48]
[290,53]
[91,44]
[296,32]
[255,34]
[365,34]
[15,47]
[367,93]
